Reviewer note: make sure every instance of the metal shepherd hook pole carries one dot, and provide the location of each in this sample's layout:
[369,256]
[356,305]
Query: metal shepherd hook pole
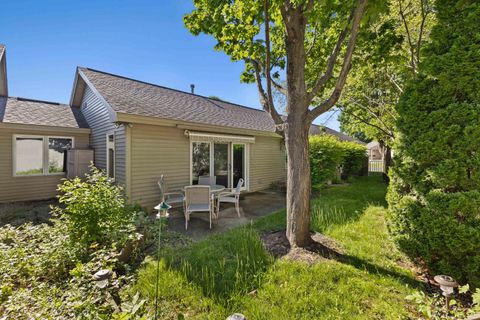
[162,208]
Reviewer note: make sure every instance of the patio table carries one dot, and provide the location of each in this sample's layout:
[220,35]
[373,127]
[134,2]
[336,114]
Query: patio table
[216,188]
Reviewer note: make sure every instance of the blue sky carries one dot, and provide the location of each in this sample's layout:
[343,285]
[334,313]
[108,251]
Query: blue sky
[142,39]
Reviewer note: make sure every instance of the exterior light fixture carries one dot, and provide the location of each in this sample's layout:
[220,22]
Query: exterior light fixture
[162,209]
[102,277]
[447,285]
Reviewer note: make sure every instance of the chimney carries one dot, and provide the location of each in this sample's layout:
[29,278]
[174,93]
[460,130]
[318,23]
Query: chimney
[192,88]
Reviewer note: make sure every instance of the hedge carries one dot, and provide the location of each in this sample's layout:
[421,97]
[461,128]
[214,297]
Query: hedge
[327,153]
[434,193]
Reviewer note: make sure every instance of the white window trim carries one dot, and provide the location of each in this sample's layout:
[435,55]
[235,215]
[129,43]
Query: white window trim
[110,145]
[246,187]
[45,154]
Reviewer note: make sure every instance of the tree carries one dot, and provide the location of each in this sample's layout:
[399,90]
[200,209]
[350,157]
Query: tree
[434,192]
[313,41]
[387,56]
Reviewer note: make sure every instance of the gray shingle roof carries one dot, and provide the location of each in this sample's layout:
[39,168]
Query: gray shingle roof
[34,112]
[140,98]
[316,130]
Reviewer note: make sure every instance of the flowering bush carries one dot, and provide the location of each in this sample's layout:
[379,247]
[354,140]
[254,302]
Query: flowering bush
[95,210]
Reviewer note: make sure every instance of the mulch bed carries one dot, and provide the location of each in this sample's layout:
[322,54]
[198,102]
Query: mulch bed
[320,248]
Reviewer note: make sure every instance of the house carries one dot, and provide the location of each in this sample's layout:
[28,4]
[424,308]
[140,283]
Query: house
[318,130]
[376,157]
[138,131]
[375,151]
[33,138]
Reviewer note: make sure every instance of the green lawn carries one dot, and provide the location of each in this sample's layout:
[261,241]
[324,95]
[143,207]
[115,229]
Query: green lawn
[232,272]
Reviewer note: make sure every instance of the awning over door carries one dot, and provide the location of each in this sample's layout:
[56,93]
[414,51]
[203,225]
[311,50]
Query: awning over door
[217,137]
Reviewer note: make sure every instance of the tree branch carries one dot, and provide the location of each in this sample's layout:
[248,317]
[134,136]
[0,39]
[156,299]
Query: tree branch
[364,121]
[279,87]
[263,96]
[401,11]
[307,52]
[425,12]
[273,112]
[347,63]
[322,80]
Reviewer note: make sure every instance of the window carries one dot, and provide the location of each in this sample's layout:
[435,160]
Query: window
[39,155]
[57,154]
[111,156]
[29,156]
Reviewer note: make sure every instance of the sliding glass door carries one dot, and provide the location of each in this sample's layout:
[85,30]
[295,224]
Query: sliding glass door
[227,161]
[221,164]
[200,160]
[239,163]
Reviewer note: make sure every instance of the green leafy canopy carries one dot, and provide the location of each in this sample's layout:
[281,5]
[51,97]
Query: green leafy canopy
[238,29]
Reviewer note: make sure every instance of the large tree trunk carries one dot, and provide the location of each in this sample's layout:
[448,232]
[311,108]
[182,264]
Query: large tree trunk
[298,182]
[296,133]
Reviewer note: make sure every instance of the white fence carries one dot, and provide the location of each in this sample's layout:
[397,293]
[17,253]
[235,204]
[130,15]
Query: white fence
[376,166]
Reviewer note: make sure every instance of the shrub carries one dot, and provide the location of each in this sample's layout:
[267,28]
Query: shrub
[95,210]
[327,154]
[47,269]
[433,195]
[30,252]
[42,276]
[355,159]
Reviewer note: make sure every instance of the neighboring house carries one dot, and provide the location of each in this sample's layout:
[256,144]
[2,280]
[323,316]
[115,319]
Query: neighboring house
[374,151]
[376,160]
[318,130]
[138,131]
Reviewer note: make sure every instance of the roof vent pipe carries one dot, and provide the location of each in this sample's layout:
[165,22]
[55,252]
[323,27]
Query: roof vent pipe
[192,88]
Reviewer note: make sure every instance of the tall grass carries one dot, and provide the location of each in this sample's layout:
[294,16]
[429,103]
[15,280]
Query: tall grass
[222,266]
[323,217]
[340,205]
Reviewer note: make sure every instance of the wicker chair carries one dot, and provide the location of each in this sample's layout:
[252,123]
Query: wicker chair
[198,199]
[207,180]
[172,197]
[231,197]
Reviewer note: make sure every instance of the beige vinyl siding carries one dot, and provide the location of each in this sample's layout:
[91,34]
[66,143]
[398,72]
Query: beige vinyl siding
[33,187]
[267,163]
[98,118]
[157,150]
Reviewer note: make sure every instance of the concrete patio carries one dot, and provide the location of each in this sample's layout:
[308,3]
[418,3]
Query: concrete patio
[253,205]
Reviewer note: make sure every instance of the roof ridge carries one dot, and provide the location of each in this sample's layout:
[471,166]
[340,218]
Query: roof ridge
[172,89]
[39,101]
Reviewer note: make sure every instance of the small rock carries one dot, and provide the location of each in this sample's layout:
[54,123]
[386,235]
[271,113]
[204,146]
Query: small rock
[237,316]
